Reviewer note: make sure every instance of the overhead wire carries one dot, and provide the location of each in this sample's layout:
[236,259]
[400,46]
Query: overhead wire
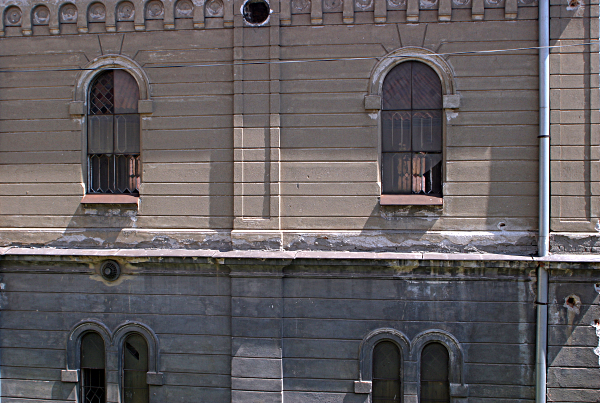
[293,61]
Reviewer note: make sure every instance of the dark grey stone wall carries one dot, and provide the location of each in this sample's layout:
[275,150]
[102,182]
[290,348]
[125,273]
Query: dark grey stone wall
[275,330]
[573,374]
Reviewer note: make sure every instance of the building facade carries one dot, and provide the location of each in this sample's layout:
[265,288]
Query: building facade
[299,201]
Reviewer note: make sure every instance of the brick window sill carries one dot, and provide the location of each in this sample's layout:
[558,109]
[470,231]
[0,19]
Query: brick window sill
[109,199]
[410,200]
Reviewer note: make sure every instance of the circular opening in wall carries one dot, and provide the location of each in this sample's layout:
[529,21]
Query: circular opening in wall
[256,12]
[110,270]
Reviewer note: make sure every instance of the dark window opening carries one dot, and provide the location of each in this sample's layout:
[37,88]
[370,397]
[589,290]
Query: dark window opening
[386,373]
[135,367]
[114,134]
[93,382]
[256,11]
[435,386]
[411,122]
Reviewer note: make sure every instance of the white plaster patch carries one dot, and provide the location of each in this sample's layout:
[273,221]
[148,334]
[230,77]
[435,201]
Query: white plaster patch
[2,286]
[598,226]
[572,303]
[451,115]
[373,116]
[90,211]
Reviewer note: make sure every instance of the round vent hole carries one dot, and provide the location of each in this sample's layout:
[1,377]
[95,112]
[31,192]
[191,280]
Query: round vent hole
[110,270]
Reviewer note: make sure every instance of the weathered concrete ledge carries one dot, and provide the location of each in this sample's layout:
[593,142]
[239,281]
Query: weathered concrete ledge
[292,255]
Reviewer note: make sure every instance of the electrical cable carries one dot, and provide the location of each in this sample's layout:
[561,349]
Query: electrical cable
[224,64]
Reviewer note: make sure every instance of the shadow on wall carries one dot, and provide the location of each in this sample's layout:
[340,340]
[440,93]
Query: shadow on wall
[573,336]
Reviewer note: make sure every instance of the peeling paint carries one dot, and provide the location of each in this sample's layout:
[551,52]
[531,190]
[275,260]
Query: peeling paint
[572,303]
[574,4]
[596,324]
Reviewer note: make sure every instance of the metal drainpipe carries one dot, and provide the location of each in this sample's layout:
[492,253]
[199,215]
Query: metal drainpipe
[544,134]
[541,339]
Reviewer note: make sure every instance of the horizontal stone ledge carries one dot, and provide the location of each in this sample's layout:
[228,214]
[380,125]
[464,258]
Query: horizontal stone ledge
[292,255]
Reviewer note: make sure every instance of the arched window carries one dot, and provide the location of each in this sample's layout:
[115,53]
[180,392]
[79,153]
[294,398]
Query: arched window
[435,385]
[93,376]
[386,373]
[411,131]
[135,367]
[113,134]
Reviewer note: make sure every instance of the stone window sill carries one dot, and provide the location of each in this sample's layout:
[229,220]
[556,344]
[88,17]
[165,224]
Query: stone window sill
[109,199]
[411,200]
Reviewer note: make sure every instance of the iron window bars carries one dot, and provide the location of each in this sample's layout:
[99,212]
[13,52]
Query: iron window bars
[411,121]
[113,138]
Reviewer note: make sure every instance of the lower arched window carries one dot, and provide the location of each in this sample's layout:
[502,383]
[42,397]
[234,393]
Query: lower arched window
[386,373]
[135,367]
[93,375]
[435,386]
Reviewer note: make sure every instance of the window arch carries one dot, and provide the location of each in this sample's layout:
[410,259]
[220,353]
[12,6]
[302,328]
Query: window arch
[435,385]
[132,351]
[81,108]
[387,375]
[93,368]
[382,354]
[442,341]
[134,369]
[411,123]
[411,131]
[113,134]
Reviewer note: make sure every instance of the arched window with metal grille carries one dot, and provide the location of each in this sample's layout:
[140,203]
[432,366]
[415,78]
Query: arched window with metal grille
[135,367]
[93,369]
[113,134]
[411,131]
[435,385]
[387,386]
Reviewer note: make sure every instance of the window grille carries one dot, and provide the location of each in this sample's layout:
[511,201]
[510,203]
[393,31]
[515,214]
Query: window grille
[411,121]
[114,134]
[135,367]
[435,386]
[93,383]
[386,373]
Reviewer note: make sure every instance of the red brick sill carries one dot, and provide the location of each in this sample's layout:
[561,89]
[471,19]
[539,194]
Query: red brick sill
[410,200]
[109,199]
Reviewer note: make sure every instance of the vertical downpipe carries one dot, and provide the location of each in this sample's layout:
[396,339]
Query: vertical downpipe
[541,339]
[544,133]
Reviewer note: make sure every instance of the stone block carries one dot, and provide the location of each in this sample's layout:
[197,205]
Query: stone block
[145,106]
[451,101]
[155,378]
[69,375]
[362,386]
[76,108]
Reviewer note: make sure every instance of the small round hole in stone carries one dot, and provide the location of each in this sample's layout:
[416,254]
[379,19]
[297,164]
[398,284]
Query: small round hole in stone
[256,12]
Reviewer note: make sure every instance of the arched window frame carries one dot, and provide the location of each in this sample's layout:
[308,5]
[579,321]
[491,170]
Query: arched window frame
[153,376]
[364,384]
[73,372]
[113,344]
[79,106]
[458,390]
[373,105]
